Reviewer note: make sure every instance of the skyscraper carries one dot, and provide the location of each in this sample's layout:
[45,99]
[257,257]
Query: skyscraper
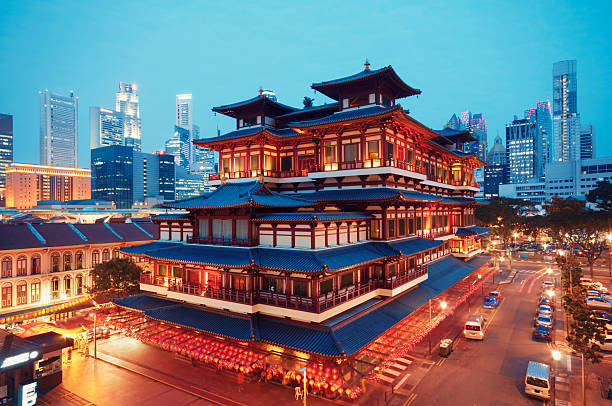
[566,121]
[522,146]
[587,142]
[541,117]
[477,126]
[497,154]
[184,119]
[58,129]
[123,175]
[127,103]
[105,127]
[179,145]
[6,149]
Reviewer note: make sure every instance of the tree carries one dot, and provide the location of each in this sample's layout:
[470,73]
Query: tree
[581,229]
[601,196]
[307,101]
[117,277]
[504,216]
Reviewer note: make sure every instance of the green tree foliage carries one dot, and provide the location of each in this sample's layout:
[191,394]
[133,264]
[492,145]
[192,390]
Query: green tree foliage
[117,277]
[601,196]
[307,101]
[503,216]
[585,331]
[581,229]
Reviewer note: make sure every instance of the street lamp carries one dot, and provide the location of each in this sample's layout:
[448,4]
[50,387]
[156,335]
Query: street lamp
[482,286]
[556,354]
[443,305]
[609,238]
[95,316]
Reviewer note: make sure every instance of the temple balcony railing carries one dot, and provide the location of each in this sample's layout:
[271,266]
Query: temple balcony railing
[243,242]
[304,303]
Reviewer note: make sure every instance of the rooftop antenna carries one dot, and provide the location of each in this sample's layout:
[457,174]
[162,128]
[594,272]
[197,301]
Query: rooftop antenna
[367,64]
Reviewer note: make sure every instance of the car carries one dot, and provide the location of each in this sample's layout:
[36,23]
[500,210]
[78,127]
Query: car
[598,302]
[496,294]
[546,310]
[546,301]
[544,320]
[542,332]
[490,302]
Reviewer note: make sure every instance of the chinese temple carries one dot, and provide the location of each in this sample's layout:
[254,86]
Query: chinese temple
[330,227]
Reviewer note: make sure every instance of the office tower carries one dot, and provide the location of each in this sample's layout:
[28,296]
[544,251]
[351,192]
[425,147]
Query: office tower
[566,121]
[125,176]
[587,142]
[6,149]
[105,127]
[477,126]
[26,184]
[184,119]
[522,149]
[541,117]
[497,153]
[180,147]
[58,129]
[190,184]
[127,103]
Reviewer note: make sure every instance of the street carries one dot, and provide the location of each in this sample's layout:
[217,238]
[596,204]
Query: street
[492,372]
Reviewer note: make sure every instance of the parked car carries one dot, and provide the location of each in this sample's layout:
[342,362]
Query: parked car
[544,320]
[490,302]
[542,332]
[546,310]
[546,301]
[496,294]
[598,302]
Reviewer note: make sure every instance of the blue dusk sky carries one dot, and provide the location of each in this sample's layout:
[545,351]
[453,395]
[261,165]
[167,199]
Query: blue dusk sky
[490,57]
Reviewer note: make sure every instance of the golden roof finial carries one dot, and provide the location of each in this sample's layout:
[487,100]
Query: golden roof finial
[367,64]
[260,90]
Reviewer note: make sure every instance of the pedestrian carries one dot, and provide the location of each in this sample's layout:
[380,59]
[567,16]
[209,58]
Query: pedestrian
[240,381]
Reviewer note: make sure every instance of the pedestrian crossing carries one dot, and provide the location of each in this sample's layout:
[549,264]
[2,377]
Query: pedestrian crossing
[391,372]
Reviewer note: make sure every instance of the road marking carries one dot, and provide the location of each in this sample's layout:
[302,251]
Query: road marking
[528,279]
[391,371]
[404,360]
[440,361]
[410,399]
[401,382]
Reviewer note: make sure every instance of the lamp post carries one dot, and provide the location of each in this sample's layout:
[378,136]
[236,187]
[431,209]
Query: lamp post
[95,316]
[609,238]
[482,286]
[443,306]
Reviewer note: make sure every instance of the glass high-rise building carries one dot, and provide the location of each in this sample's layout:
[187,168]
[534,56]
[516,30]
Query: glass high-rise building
[542,118]
[127,103]
[180,147]
[566,121]
[522,146]
[105,127]
[184,119]
[587,142]
[6,149]
[123,175]
[58,129]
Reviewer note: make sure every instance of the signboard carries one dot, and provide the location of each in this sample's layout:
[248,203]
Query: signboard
[18,359]
[27,395]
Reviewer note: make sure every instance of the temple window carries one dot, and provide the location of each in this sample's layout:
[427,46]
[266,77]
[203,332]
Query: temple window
[250,121]
[326,286]
[411,226]
[177,272]
[345,103]
[372,98]
[375,228]
[392,270]
[409,155]
[255,162]
[300,288]
[162,270]
[391,228]
[269,284]
[390,150]
[225,165]
[351,152]
[401,227]
[372,149]
[270,163]
[239,164]
[330,153]
[286,163]
[346,280]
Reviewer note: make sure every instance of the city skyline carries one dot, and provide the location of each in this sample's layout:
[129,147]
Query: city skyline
[495,86]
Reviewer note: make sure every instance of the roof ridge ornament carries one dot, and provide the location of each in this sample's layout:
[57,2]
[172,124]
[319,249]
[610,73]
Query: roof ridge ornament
[367,64]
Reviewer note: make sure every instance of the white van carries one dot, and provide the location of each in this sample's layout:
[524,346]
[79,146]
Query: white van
[537,380]
[474,327]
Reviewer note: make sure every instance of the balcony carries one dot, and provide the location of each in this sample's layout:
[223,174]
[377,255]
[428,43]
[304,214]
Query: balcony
[218,241]
[282,300]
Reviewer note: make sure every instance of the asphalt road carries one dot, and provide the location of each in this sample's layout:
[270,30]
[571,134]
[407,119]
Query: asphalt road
[492,372]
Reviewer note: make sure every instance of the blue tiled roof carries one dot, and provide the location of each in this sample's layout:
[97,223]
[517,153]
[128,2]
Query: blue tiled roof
[285,259]
[416,244]
[413,195]
[349,194]
[256,99]
[473,230]
[171,216]
[386,74]
[222,323]
[305,216]
[247,132]
[458,199]
[143,302]
[347,115]
[347,337]
[234,194]
[308,110]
